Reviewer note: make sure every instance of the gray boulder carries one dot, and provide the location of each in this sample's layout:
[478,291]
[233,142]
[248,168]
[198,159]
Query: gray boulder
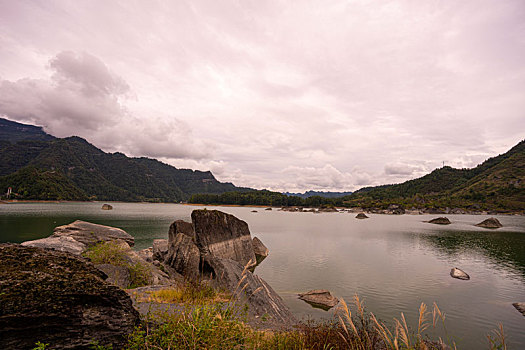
[490,223]
[183,256]
[361,216]
[260,250]
[116,275]
[78,236]
[61,299]
[440,221]
[459,274]
[250,289]
[181,226]
[223,235]
[320,298]
[160,249]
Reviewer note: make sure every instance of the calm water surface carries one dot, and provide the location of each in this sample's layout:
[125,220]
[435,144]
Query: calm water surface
[392,262]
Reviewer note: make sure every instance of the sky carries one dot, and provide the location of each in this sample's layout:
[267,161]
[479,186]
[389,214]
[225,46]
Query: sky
[329,95]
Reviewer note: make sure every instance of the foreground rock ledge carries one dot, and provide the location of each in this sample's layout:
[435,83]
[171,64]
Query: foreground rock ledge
[320,298]
[57,298]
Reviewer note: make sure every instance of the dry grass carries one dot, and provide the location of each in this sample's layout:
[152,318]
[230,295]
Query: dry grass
[189,293]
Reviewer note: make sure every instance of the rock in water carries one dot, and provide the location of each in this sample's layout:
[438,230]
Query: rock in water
[320,298]
[107,207]
[361,216]
[57,298]
[520,307]
[490,223]
[440,221]
[260,250]
[268,209]
[80,235]
[223,235]
[459,274]
[181,226]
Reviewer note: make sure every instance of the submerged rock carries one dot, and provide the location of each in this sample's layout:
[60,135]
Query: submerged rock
[107,207]
[490,223]
[520,307]
[459,274]
[61,299]
[223,235]
[361,216]
[78,236]
[440,221]
[260,250]
[320,298]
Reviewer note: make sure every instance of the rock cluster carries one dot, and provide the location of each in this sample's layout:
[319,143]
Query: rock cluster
[61,299]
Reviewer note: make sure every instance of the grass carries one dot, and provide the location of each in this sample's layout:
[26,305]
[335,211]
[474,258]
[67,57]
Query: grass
[191,292]
[116,254]
[216,327]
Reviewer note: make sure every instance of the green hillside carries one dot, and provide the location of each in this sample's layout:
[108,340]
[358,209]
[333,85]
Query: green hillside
[497,183]
[74,166]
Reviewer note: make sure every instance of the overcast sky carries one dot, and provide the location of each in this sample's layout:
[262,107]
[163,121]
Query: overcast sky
[284,95]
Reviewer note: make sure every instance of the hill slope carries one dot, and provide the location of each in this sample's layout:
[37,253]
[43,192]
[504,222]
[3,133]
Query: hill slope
[498,182]
[39,166]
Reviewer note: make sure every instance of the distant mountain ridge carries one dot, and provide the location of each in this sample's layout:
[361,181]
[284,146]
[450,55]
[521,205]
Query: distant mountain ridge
[39,166]
[327,194]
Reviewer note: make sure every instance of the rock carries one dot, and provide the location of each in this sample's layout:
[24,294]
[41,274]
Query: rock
[80,235]
[183,256]
[520,307]
[361,216]
[250,289]
[459,274]
[146,254]
[117,275]
[490,223]
[254,211]
[181,226]
[61,299]
[160,249]
[223,235]
[320,298]
[107,207]
[440,221]
[457,211]
[268,209]
[260,250]
[396,209]
[433,211]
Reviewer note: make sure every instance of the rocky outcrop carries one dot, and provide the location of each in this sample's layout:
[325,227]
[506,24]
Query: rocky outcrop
[490,223]
[320,298]
[459,274]
[160,249]
[116,275]
[76,237]
[260,250]
[183,255]
[223,235]
[440,221]
[181,226]
[146,254]
[261,299]
[107,207]
[60,299]
[361,216]
[520,307]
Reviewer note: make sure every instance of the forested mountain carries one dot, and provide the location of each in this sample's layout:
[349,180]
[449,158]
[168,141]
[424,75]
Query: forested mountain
[309,194]
[39,166]
[499,182]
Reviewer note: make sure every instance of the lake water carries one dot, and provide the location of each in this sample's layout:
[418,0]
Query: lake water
[392,262]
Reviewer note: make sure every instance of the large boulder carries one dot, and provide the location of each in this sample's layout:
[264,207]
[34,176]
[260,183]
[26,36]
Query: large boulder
[181,226]
[320,298]
[490,223]
[80,235]
[60,299]
[249,289]
[183,255]
[223,235]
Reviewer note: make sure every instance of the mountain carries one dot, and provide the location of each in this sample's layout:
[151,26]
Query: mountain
[39,166]
[499,182]
[309,194]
